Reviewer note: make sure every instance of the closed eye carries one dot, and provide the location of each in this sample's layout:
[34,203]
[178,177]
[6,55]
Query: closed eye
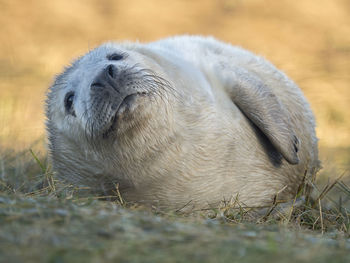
[115,56]
[68,103]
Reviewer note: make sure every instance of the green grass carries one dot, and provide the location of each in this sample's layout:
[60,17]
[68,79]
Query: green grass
[42,220]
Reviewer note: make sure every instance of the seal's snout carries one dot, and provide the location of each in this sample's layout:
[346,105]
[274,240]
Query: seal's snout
[107,78]
[114,97]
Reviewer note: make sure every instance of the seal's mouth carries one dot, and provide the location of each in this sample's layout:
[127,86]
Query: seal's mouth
[123,111]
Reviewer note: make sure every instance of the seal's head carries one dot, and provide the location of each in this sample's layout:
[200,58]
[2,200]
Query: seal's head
[103,93]
[97,108]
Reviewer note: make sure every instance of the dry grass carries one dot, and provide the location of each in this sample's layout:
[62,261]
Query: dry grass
[309,40]
[45,221]
[313,208]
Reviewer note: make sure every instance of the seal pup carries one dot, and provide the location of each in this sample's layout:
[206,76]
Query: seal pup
[184,120]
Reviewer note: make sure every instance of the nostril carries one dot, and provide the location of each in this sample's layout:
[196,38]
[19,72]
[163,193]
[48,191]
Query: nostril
[96,85]
[111,71]
[107,78]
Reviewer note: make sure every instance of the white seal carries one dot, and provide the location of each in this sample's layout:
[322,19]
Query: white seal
[184,120]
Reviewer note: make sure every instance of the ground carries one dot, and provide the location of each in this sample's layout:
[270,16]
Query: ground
[43,220]
[50,230]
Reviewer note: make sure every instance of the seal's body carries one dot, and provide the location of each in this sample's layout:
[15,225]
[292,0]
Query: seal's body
[184,120]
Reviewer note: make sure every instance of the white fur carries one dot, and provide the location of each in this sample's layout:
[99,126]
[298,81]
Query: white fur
[194,145]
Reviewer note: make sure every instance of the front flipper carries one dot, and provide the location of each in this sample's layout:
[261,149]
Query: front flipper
[259,104]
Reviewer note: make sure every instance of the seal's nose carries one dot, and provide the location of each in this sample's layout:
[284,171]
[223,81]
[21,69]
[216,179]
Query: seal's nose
[107,78]
[111,71]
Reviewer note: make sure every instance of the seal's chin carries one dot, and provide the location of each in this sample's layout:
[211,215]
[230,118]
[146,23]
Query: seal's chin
[125,111]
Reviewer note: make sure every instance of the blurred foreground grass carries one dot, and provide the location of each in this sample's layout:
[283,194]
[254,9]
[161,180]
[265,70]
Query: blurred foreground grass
[40,222]
[44,221]
[44,230]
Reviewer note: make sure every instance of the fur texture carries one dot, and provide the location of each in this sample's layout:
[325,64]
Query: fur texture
[184,120]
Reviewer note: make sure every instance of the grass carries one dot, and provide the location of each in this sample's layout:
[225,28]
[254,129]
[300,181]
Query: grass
[38,38]
[44,221]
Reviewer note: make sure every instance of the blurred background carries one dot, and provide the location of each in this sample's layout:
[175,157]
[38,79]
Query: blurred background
[309,40]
